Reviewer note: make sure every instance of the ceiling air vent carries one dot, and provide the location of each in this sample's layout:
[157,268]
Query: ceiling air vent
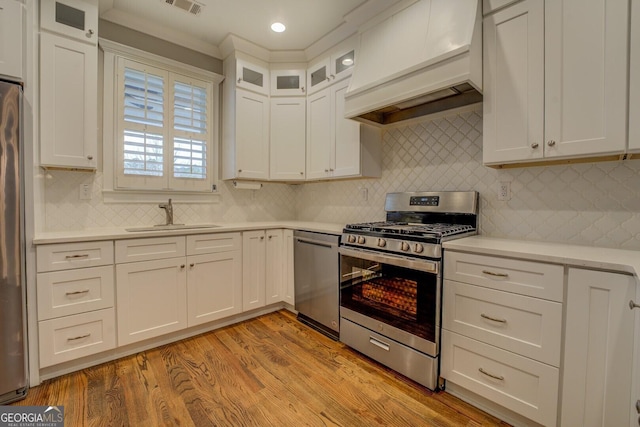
[192,7]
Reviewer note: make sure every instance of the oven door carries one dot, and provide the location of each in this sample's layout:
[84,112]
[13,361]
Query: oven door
[396,296]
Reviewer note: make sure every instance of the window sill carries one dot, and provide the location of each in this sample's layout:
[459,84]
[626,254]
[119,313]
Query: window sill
[112,196]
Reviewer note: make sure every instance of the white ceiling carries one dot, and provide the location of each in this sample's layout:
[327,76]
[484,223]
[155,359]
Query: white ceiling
[307,21]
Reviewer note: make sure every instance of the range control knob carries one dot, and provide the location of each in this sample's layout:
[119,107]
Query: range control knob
[361,240]
[351,238]
[404,246]
[382,243]
[418,248]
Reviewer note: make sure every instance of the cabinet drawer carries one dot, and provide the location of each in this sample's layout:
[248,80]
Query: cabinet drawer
[71,337]
[535,279]
[522,385]
[524,325]
[66,256]
[149,249]
[62,293]
[212,243]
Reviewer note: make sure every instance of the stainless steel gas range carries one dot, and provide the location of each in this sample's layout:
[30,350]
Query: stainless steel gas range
[391,283]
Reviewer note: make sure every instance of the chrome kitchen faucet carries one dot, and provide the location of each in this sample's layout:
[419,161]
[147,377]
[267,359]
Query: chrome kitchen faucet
[168,207]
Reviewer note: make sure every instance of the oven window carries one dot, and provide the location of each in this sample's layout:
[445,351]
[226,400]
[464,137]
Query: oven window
[398,296]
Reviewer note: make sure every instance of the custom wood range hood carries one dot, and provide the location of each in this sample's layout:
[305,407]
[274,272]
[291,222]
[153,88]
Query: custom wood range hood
[417,60]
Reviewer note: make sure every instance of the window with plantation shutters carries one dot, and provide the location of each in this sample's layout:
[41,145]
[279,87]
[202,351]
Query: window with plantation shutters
[164,129]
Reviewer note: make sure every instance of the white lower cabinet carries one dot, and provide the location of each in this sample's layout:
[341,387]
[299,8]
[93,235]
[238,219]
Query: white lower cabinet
[275,267]
[151,299]
[71,337]
[183,282]
[523,385]
[253,270]
[289,283]
[502,331]
[598,355]
[263,268]
[75,295]
[214,278]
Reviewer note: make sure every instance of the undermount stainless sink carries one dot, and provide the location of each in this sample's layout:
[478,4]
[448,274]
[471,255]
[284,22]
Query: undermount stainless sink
[162,227]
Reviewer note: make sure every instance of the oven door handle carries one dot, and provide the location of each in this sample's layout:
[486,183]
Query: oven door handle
[421,265]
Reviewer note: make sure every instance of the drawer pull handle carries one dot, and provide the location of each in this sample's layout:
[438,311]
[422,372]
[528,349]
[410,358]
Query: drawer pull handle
[495,377]
[633,304]
[79,337]
[491,273]
[493,319]
[379,344]
[77,256]
[86,291]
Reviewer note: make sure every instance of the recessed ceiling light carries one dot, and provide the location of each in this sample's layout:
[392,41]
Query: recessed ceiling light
[278,27]
[347,62]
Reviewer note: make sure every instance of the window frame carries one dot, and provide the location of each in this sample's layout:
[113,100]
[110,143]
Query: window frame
[117,188]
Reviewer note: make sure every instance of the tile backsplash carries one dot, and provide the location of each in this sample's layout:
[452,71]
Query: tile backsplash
[65,210]
[589,204]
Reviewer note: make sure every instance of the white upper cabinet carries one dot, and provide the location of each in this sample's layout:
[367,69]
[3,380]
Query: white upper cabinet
[339,147]
[252,76]
[576,106]
[245,118]
[288,135]
[586,67]
[72,18]
[513,103]
[12,18]
[288,83]
[330,69]
[68,102]
[634,80]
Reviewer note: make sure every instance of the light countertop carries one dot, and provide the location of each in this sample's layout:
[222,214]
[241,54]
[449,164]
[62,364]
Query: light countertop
[117,233]
[627,261]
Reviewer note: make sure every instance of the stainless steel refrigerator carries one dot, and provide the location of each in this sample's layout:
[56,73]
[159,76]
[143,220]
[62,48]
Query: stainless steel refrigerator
[13,360]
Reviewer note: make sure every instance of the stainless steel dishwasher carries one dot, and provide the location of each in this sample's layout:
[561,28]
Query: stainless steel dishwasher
[316,267]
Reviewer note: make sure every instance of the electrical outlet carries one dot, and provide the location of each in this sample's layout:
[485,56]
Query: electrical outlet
[504,190]
[364,193]
[85,191]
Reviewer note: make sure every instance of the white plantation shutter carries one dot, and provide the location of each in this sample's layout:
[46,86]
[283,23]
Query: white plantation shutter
[164,130]
[191,133]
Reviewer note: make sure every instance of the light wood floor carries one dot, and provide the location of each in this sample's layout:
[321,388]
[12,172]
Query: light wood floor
[268,371]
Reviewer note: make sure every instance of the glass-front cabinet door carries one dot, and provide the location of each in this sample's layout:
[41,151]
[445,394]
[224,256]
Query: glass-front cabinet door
[252,77]
[342,64]
[288,83]
[318,75]
[73,18]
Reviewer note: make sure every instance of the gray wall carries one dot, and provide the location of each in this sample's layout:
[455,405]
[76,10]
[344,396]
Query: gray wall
[147,43]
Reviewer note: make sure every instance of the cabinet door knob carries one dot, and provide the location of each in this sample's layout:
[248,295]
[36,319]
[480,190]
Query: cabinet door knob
[333,77]
[330,170]
[534,145]
[551,143]
[632,304]
[182,266]
[239,170]
[302,89]
[240,80]
[261,237]
[326,170]
[301,173]
[90,157]
[89,34]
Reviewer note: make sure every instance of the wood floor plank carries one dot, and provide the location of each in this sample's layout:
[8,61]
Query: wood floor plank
[268,371]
